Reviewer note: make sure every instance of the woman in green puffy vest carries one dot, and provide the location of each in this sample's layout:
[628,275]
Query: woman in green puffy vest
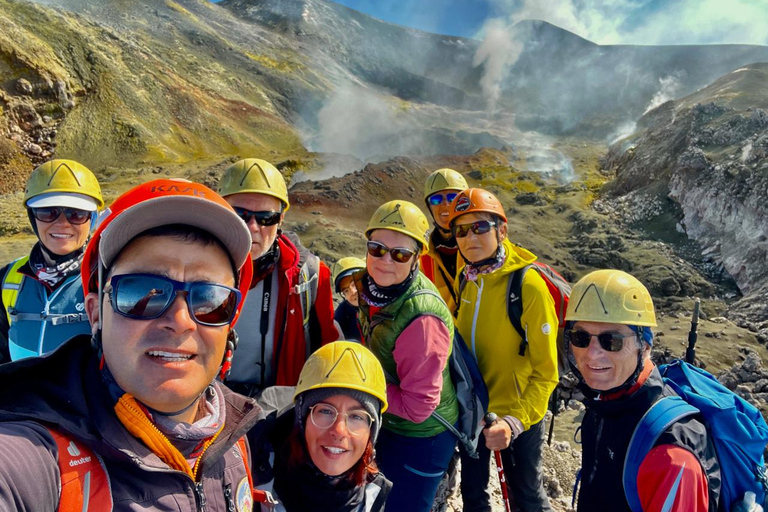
[407,325]
[42,299]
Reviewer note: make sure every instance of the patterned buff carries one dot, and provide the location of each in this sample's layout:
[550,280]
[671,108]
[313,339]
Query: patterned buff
[486,266]
[63,266]
[380,296]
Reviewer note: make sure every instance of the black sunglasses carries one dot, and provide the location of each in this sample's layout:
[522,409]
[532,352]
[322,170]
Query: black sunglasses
[51,213]
[610,341]
[437,199]
[148,296]
[399,254]
[266,218]
[480,227]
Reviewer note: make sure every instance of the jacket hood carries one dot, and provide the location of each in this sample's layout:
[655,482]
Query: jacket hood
[290,251]
[517,257]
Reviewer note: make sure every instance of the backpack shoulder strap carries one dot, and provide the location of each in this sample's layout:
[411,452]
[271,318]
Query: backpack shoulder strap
[259,495]
[84,480]
[12,284]
[662,415]
[308,283]
[515,304]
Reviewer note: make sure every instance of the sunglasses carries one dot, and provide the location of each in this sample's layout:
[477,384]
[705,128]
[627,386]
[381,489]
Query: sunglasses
[399,254]
[480,227]
[437,199]
[610,341]
[51,213]
[148,296]
[262,218]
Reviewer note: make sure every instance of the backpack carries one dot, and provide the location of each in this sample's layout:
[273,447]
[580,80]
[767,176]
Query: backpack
[471,391]
[559,289]
[309,277]
[736,428]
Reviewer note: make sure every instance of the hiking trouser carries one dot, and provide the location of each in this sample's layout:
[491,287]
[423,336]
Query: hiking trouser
[522,466]
[415,466]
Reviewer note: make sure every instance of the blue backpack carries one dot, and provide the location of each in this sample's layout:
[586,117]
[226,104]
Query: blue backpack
[737,429]
[471,393]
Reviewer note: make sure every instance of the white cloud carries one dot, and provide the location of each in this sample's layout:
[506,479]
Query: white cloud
[649,22]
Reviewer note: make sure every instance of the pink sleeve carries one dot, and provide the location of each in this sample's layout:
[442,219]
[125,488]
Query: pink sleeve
[671,479]
[421,352]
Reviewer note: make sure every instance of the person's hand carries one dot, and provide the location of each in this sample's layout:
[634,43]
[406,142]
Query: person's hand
[498,435]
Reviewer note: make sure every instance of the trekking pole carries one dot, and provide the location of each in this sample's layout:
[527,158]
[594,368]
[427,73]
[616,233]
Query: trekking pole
[690,352]
[553,403]
[490,419]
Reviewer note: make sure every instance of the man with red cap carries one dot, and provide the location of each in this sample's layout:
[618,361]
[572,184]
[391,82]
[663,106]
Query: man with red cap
[133,417]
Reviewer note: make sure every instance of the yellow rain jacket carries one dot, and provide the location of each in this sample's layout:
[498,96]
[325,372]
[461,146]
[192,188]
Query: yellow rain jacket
[518,386]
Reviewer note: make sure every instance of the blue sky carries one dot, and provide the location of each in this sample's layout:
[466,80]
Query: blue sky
[600,21]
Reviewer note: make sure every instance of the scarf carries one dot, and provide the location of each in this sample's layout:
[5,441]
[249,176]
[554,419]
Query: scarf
[472,271]
[63,266]
[380,296]
[187,438]
[306,488]
[265,264]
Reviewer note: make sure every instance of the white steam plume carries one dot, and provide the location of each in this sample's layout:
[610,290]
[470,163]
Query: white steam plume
[498,53]
[670,86]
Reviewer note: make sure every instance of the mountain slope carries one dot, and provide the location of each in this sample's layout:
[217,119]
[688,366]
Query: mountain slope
[707,153]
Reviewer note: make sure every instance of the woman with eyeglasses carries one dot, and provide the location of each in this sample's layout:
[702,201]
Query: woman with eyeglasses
[407,325]
[324,443]
[520,373]
[42,298]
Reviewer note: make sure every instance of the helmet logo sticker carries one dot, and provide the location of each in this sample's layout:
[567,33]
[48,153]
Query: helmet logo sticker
[263,174]
[398,221]
[65,166]
[463,204]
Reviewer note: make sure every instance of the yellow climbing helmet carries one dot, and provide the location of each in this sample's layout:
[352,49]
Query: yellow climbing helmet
[59,176]
[444,179]
[344,364]
[403,217]
[255,176]
[611,296]
[345,267]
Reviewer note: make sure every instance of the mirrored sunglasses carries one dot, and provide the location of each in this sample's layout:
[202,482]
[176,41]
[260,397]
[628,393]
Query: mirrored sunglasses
[51,213]
[480,227]
[265,218]
[148,296]
[399,254]
[610,341]
[437,199]
[324,416]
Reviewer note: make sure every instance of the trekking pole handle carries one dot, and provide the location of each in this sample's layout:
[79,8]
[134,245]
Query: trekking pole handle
[690,352]
[490,418]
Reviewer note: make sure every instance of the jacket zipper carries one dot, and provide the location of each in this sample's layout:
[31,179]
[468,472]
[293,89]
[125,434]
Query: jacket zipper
[228,498]
[200,496]
[477,313]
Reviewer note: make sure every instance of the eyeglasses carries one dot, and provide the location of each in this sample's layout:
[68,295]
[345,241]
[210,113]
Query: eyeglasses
[437,199]
[399,254]
[480,227]
[148,296]
[50,214]
[324,416]
[610,341]
[265,218]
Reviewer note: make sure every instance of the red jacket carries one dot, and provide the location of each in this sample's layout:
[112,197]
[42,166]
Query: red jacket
[291,351]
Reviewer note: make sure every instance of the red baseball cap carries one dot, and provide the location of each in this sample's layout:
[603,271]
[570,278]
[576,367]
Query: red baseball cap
[163,202]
